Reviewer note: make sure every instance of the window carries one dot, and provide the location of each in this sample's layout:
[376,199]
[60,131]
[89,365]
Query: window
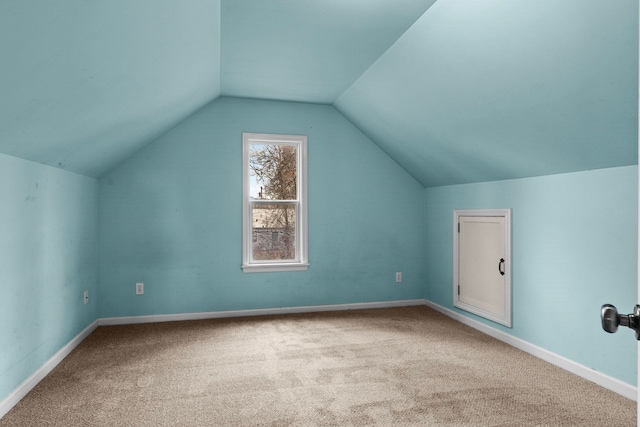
[274,210]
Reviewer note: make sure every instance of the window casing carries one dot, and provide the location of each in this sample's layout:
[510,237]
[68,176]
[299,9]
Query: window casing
[274,209]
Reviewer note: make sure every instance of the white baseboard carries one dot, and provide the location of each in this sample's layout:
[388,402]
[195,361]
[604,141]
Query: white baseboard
[110,321]
[603,380]
[28,384]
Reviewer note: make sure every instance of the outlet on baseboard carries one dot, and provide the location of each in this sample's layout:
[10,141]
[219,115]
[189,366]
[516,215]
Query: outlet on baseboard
[398,277]
[86,297]
[139,288]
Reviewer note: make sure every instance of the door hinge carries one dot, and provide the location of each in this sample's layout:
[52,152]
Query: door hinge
[458,290]
[458,227]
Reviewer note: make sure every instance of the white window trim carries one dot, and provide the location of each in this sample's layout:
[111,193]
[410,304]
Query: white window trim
[302,262]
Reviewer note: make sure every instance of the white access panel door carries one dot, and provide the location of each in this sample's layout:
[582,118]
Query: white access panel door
[482,259]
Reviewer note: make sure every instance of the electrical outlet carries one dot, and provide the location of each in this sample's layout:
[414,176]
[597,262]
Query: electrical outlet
[398,277]
[139,288]
[86,297]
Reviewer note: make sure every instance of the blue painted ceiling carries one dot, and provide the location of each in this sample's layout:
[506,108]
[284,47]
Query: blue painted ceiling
[455,91]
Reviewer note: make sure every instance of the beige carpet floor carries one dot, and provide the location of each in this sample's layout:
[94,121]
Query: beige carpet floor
[401,366]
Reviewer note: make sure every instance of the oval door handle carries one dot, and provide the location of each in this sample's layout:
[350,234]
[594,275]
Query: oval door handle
[501,266]
[610,318]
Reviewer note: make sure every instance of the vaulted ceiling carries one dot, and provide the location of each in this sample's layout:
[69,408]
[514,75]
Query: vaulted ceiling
[454,91]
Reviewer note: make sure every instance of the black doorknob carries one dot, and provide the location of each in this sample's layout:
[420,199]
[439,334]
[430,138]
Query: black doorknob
[611,319]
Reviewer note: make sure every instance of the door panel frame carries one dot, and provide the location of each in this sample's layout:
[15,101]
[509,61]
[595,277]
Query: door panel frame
[505,319]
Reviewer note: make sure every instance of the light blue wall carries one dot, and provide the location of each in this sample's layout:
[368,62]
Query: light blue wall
[171,217]
[48,257]
[574,249]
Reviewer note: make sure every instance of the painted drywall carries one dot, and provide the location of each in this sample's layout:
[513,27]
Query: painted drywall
[306,51]
[85,84]
[574,248]
[485,90]
[170,217]
[48,258]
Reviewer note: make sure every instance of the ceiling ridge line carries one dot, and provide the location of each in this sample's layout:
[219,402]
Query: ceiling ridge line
[382,54]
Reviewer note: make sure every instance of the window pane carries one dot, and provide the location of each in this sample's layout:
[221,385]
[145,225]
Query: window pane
[273,232]
[272,172]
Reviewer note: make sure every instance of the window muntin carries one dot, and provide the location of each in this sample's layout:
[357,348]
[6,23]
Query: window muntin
[274,208]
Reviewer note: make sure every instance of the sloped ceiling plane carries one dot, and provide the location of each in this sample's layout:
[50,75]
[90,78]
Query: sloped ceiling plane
[455,91]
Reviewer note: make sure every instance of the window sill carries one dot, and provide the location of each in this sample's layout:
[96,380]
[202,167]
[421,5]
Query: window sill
[265,268]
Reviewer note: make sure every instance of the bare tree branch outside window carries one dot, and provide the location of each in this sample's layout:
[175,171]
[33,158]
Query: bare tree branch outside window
[273,166]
